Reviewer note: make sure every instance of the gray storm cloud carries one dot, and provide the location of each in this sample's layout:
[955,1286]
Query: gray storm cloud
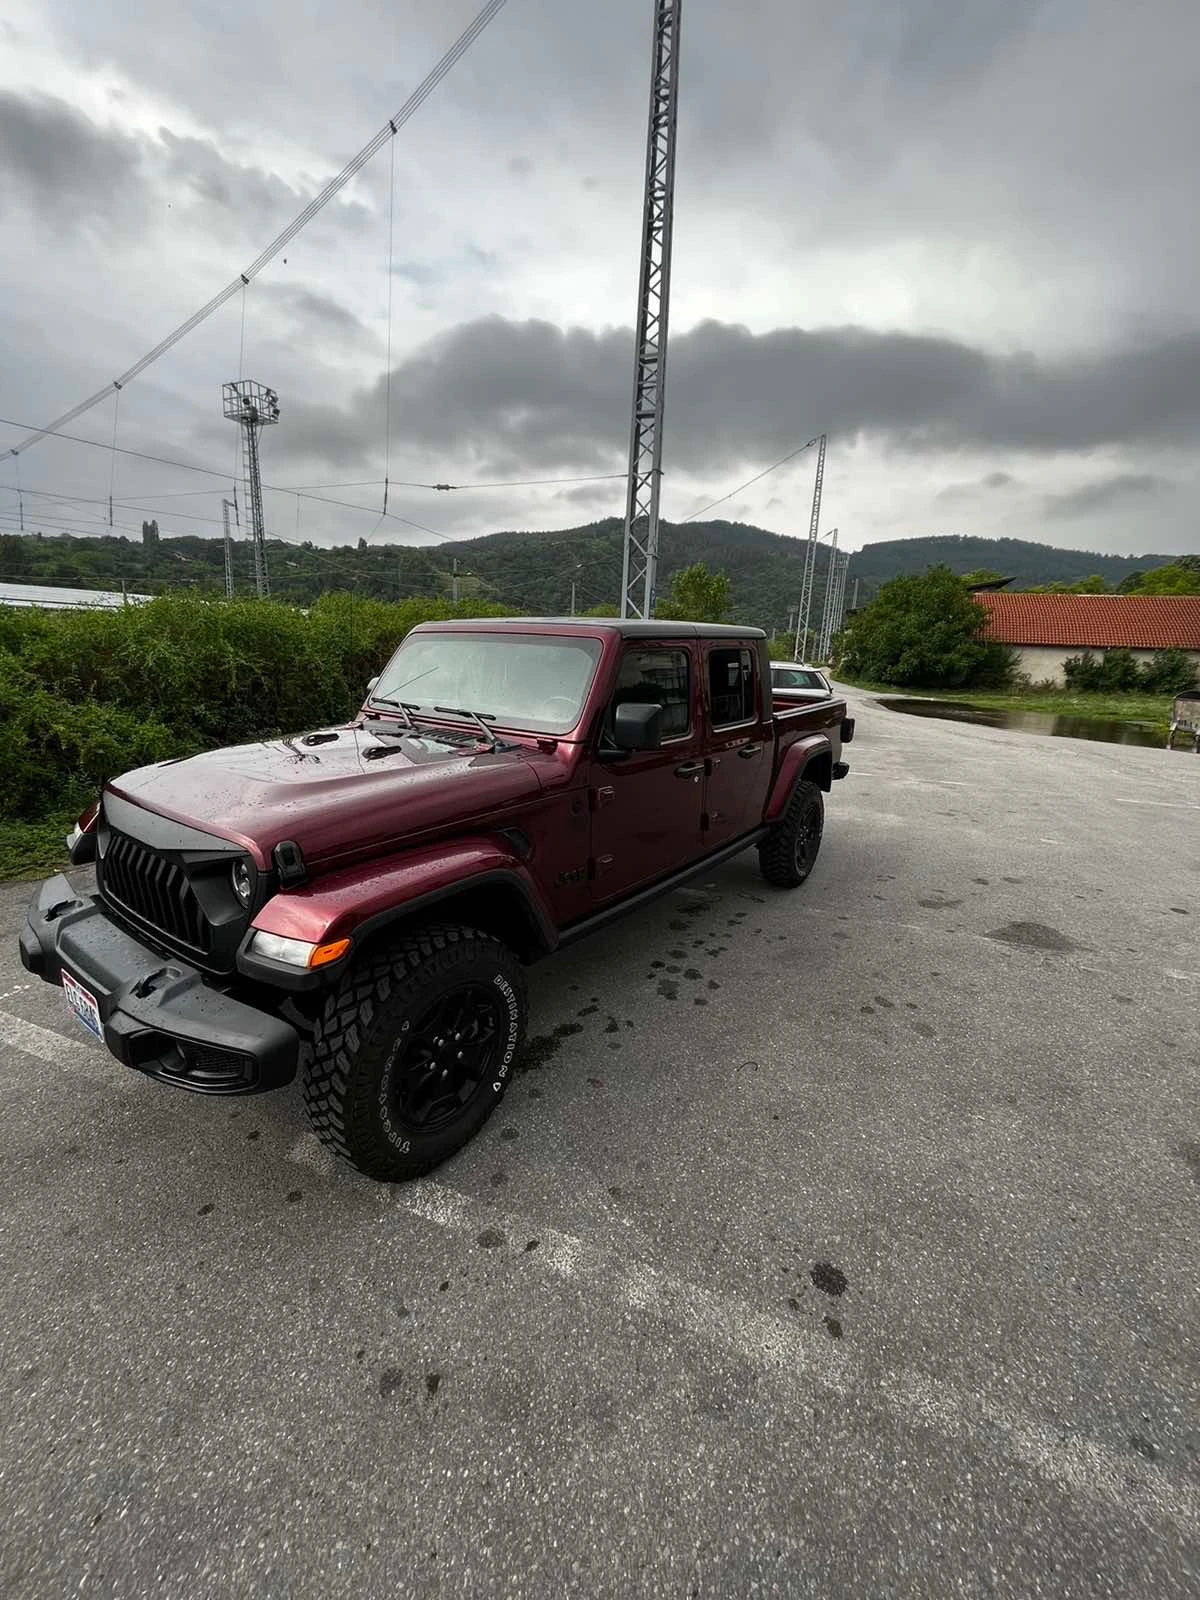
[534,395]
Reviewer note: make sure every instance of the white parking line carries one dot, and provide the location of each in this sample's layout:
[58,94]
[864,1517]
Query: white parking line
[308,1151]
[792,1355]
[1169,805]
[76,1055]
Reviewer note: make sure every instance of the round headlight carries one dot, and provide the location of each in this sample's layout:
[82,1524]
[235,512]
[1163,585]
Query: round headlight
[243,885]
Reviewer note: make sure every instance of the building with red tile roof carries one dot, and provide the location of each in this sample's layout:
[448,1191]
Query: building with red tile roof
[1045,629]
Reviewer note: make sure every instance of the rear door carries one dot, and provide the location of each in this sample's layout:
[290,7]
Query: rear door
[646,804]
[739,751]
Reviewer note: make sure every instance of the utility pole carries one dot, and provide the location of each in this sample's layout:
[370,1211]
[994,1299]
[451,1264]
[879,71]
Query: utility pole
[226,507]
[640,562]
[254,407]
[454,582]
[572,596]
[854,600]
[810,554]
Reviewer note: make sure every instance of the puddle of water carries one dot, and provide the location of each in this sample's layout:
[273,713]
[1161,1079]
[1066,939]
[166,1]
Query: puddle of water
[1057,725]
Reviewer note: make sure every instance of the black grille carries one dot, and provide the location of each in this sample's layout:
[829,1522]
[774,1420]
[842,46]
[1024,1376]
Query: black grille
[154,889]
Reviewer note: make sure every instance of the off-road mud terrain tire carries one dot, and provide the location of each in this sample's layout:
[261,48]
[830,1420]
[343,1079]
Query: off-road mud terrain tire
[789,852]
[368,1049]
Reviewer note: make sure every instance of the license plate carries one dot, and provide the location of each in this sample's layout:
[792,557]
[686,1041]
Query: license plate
[81,1003]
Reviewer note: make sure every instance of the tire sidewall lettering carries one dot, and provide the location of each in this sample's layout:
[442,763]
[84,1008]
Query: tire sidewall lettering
[513,1011]
[397,1137]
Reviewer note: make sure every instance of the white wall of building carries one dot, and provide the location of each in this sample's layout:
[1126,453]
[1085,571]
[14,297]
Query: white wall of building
[1044,662]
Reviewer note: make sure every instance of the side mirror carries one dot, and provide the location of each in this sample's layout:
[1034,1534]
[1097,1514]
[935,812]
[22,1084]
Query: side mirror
[637,726]
[371,685]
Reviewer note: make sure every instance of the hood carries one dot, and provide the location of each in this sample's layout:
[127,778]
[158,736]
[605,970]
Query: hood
[332,791]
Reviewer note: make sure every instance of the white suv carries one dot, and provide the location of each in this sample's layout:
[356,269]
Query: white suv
[797,682]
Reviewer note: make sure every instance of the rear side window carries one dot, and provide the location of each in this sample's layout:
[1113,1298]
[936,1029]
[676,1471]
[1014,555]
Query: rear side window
[731,686]
[796,678]
[657,678]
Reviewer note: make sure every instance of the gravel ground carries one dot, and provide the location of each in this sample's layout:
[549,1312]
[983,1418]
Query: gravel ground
[842,1242]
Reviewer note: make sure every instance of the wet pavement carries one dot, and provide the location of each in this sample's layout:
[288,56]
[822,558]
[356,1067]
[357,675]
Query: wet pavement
[1056,724]
[834,1242]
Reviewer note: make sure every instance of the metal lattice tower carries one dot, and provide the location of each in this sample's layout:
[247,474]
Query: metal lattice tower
[254,407]
[839,601]
[640,565]
[810,554]
[226,507]
[831,572]
[835,601]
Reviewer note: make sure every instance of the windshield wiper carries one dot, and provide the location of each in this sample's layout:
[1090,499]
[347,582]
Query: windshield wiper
[475,716]
[399,705]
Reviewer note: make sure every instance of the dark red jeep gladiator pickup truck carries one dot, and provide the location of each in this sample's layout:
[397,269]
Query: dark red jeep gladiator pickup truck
[359,902]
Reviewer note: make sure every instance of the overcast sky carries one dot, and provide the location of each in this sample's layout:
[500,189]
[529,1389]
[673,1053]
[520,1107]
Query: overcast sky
[960,235]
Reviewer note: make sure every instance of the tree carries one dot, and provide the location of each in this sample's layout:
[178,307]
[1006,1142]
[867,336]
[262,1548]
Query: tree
[982,575]
[13,557]
[780,646]
[697,595]
[1175,578]
[1093,585]
[924,631]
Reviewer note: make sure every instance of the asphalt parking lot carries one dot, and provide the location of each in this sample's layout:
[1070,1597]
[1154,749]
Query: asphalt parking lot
[836,1242]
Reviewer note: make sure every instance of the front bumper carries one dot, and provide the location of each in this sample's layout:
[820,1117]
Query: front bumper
[158,1014]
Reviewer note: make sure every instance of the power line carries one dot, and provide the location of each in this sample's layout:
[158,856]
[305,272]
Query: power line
[799,450]
[415,100]
[524,483]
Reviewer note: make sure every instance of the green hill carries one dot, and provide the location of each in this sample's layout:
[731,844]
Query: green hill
[765,569]
[532,572]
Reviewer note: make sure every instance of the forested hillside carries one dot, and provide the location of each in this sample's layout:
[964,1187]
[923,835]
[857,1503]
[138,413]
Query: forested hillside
[533,572]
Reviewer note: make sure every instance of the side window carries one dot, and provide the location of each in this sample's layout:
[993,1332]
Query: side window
[731,686]
[657,677]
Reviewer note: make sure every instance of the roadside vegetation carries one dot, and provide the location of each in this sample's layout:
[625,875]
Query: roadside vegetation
[1152,709]
[85,695]
[925,634]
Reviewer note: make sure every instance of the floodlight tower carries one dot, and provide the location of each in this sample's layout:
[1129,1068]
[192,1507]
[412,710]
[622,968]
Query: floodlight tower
[254,407]
[654,293]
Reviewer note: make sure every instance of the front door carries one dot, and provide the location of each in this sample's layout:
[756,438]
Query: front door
[646,804]
[739,761]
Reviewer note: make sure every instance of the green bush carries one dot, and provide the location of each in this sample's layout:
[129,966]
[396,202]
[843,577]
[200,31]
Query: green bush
[85,695]
[1117,672]
[1170,672]
[54,754]
[924,632]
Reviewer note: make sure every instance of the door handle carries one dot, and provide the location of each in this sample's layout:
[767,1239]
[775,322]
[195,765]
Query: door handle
[749,750]
[689,769]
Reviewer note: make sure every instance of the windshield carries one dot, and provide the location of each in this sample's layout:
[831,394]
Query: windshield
[518,680]
[796,678]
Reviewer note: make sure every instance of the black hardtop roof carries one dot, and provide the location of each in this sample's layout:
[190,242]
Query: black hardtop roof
[626,627]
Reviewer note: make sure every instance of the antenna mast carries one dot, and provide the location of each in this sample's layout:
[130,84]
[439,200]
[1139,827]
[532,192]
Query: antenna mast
[640,564]
[831,574]
[810,556]
[226,507]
